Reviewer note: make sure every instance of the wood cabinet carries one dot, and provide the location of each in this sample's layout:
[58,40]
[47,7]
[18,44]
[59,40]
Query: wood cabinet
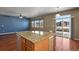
[8,42]
[27,45]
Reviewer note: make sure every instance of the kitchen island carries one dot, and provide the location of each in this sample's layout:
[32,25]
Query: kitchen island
[34,41]
[26,41]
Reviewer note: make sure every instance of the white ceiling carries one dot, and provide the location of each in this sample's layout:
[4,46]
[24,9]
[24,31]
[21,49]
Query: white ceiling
[30,11]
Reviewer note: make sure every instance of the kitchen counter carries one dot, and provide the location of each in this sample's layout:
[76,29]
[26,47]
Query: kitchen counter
[35,37]
[27,40]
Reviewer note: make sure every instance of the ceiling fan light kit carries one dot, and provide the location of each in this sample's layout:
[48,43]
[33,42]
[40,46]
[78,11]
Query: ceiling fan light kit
[20,16]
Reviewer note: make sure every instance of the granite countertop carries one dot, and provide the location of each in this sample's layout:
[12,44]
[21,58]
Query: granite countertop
[35,37]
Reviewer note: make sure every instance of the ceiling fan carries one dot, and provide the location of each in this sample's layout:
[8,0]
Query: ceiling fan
[20,16]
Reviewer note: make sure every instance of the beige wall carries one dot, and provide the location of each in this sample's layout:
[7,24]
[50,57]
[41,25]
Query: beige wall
[49,23]
[75,21]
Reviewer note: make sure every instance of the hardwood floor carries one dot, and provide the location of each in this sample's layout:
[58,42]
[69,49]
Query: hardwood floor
[74,45]
[8,42]
[62,44]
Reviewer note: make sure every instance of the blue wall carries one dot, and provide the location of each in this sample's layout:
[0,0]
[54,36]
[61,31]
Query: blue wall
[13,24]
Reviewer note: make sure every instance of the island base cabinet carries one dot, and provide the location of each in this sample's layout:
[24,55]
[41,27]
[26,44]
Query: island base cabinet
[27,45]
[42,45]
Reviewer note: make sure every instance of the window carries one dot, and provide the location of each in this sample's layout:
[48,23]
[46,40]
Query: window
[33,24]
[41,23]
[37,24]
[63,26]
